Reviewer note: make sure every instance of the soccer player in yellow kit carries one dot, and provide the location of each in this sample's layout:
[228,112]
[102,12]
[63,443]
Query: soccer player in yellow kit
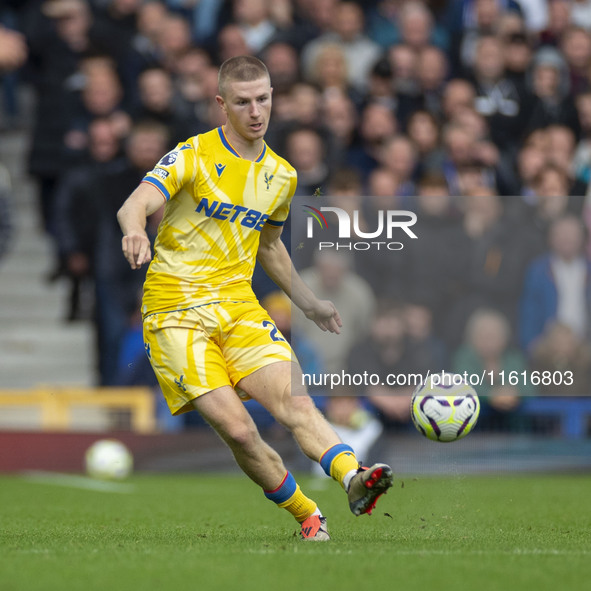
[209,341]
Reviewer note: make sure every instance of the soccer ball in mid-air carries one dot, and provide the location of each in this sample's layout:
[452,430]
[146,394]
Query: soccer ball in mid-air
[108,459]
[445,412]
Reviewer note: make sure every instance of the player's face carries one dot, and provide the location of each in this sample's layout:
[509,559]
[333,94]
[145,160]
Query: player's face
[248,107]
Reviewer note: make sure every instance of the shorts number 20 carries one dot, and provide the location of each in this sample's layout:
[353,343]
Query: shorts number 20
[274,331]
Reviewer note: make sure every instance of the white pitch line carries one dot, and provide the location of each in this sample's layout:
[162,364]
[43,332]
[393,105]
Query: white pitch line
[74,481]
[514,552]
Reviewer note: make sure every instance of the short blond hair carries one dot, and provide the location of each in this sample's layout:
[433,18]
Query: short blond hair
[242,68]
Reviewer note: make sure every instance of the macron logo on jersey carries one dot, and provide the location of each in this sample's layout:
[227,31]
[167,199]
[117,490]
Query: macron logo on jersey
[219,169]
[220,210]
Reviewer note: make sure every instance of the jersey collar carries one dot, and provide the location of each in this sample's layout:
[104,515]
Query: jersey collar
[232,150]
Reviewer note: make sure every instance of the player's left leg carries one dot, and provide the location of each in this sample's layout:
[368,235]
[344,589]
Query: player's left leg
[279,388]
[226,414]
[271,387]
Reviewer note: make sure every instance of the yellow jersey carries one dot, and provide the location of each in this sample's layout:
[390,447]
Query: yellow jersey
[216,206]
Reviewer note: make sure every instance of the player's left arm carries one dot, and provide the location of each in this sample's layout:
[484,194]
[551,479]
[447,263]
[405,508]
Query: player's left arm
[276,261]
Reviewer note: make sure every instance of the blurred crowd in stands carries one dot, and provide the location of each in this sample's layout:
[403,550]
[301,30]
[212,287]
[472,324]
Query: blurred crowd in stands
[475,114]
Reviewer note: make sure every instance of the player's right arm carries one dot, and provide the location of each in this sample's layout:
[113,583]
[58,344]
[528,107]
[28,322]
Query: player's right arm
[145,200]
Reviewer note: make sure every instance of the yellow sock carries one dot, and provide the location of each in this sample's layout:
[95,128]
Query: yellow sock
[299,505]
[289,496]
[338,460]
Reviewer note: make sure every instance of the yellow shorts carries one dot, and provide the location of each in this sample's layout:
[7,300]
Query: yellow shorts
[197,350]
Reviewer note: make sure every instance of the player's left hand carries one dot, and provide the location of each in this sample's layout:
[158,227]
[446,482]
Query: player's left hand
[326,316]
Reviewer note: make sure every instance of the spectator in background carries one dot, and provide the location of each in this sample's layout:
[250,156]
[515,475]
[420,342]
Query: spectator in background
[205,18]
[429,269]
[544,188]
[253,19]
[192,83]
[496,166]
[418,29]
[497,97]
[101,95]
[381,85]
[552,182]
[460,149]
[382,22]
[310,20]
[116,285]
[329,71]
[77,212]
[487,351]
[343,190]
[283,65]
[544,212]
[561,144]
[510,22]
[118,20]
[479,18]
[457,94]
[493,259]
[412,23]
[518,56]
[230,43]
[384,352]
[361,53]
[58,36]
[281,13]
[400,156]
[306,101]
[560,349]
[552,104]
[332,275]
[382,270]
[382,185]
[174,40]
[159,101]
[403,61]
[530,163]
[376,125]
[145,41]
[340,117]
[432,73]
[557,22]
[575,44]
[307,151]
[426,352]
[423,131]
[557,284]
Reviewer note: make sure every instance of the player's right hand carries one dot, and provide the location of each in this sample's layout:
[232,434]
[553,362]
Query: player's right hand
[137,250]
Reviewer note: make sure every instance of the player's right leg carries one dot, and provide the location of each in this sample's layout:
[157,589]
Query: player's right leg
[192,373]
[279,388]
[224,411]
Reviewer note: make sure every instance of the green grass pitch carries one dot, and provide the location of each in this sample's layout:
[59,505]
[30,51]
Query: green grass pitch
[215,532]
